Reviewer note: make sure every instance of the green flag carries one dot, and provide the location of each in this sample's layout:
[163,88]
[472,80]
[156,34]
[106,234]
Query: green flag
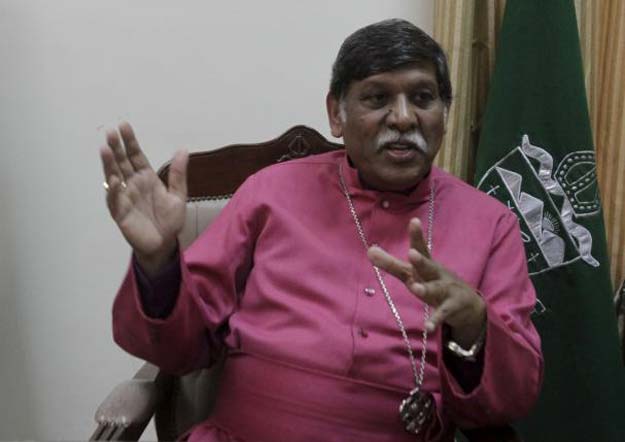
[536,155]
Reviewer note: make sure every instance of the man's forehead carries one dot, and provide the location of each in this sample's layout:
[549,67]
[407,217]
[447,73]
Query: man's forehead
[422,72]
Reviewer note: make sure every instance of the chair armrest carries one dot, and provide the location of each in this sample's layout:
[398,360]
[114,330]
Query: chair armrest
[127,410]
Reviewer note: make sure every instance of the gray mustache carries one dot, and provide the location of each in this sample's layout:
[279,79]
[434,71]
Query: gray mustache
[414,138]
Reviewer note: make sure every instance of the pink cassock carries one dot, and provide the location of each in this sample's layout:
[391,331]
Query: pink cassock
[282,278]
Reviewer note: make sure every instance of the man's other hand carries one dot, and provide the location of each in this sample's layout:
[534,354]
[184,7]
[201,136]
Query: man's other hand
[454,301]
[149,214]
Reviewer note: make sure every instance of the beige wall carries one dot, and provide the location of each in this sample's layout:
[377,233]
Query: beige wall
[185,73]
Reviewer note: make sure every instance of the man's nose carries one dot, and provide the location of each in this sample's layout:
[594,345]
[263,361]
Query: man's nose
[401,116]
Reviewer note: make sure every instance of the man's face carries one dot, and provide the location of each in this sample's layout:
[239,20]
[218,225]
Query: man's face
[392,125]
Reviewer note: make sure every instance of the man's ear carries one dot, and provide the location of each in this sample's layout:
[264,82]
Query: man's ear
[333,107]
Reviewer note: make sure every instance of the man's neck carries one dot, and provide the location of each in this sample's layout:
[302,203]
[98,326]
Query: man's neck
[406,191]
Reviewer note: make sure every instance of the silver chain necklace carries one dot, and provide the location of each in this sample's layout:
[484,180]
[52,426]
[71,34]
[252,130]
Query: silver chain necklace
[416,410]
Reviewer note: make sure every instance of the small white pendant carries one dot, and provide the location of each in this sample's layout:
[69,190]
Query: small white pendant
[416,410]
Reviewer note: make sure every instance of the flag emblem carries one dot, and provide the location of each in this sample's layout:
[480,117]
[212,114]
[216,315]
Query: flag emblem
[547,202]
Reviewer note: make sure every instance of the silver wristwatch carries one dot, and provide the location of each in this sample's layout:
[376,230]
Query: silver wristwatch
[471,353]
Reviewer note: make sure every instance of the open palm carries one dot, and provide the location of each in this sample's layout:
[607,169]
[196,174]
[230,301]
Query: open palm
[149,214]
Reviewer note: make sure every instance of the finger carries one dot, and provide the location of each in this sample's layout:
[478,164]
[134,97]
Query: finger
[396,267]
[113,179]
[439,315]
[425,267]
[109,165]
[177,179]
[133,150]
[112,139]
[417,241]
[117,199]
[433,293]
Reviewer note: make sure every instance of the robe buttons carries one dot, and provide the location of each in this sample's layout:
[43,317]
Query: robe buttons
[369,291]
[386,204]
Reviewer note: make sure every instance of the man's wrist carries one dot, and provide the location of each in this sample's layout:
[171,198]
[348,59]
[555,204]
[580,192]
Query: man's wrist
[153,264]
[467,334]
[466,341]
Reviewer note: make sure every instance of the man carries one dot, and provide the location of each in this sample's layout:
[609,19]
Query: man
[321,344]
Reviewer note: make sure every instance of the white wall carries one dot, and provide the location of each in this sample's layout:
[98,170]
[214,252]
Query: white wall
[185,73]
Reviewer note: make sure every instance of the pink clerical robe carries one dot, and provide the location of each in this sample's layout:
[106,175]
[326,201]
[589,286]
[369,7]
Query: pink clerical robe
[282,278]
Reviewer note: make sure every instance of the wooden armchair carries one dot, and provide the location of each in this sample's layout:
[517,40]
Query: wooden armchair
[179,402]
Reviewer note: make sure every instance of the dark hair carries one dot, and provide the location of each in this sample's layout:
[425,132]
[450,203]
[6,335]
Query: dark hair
[385,46]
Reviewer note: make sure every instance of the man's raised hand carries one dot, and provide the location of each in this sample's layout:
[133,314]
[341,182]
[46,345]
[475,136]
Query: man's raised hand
[454,302]
[149,214]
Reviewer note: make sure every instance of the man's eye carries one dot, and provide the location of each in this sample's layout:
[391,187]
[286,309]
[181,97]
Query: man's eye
[424,98]
[376,99]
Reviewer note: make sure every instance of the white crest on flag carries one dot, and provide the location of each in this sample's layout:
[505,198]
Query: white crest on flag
[547,202]
[577,175]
